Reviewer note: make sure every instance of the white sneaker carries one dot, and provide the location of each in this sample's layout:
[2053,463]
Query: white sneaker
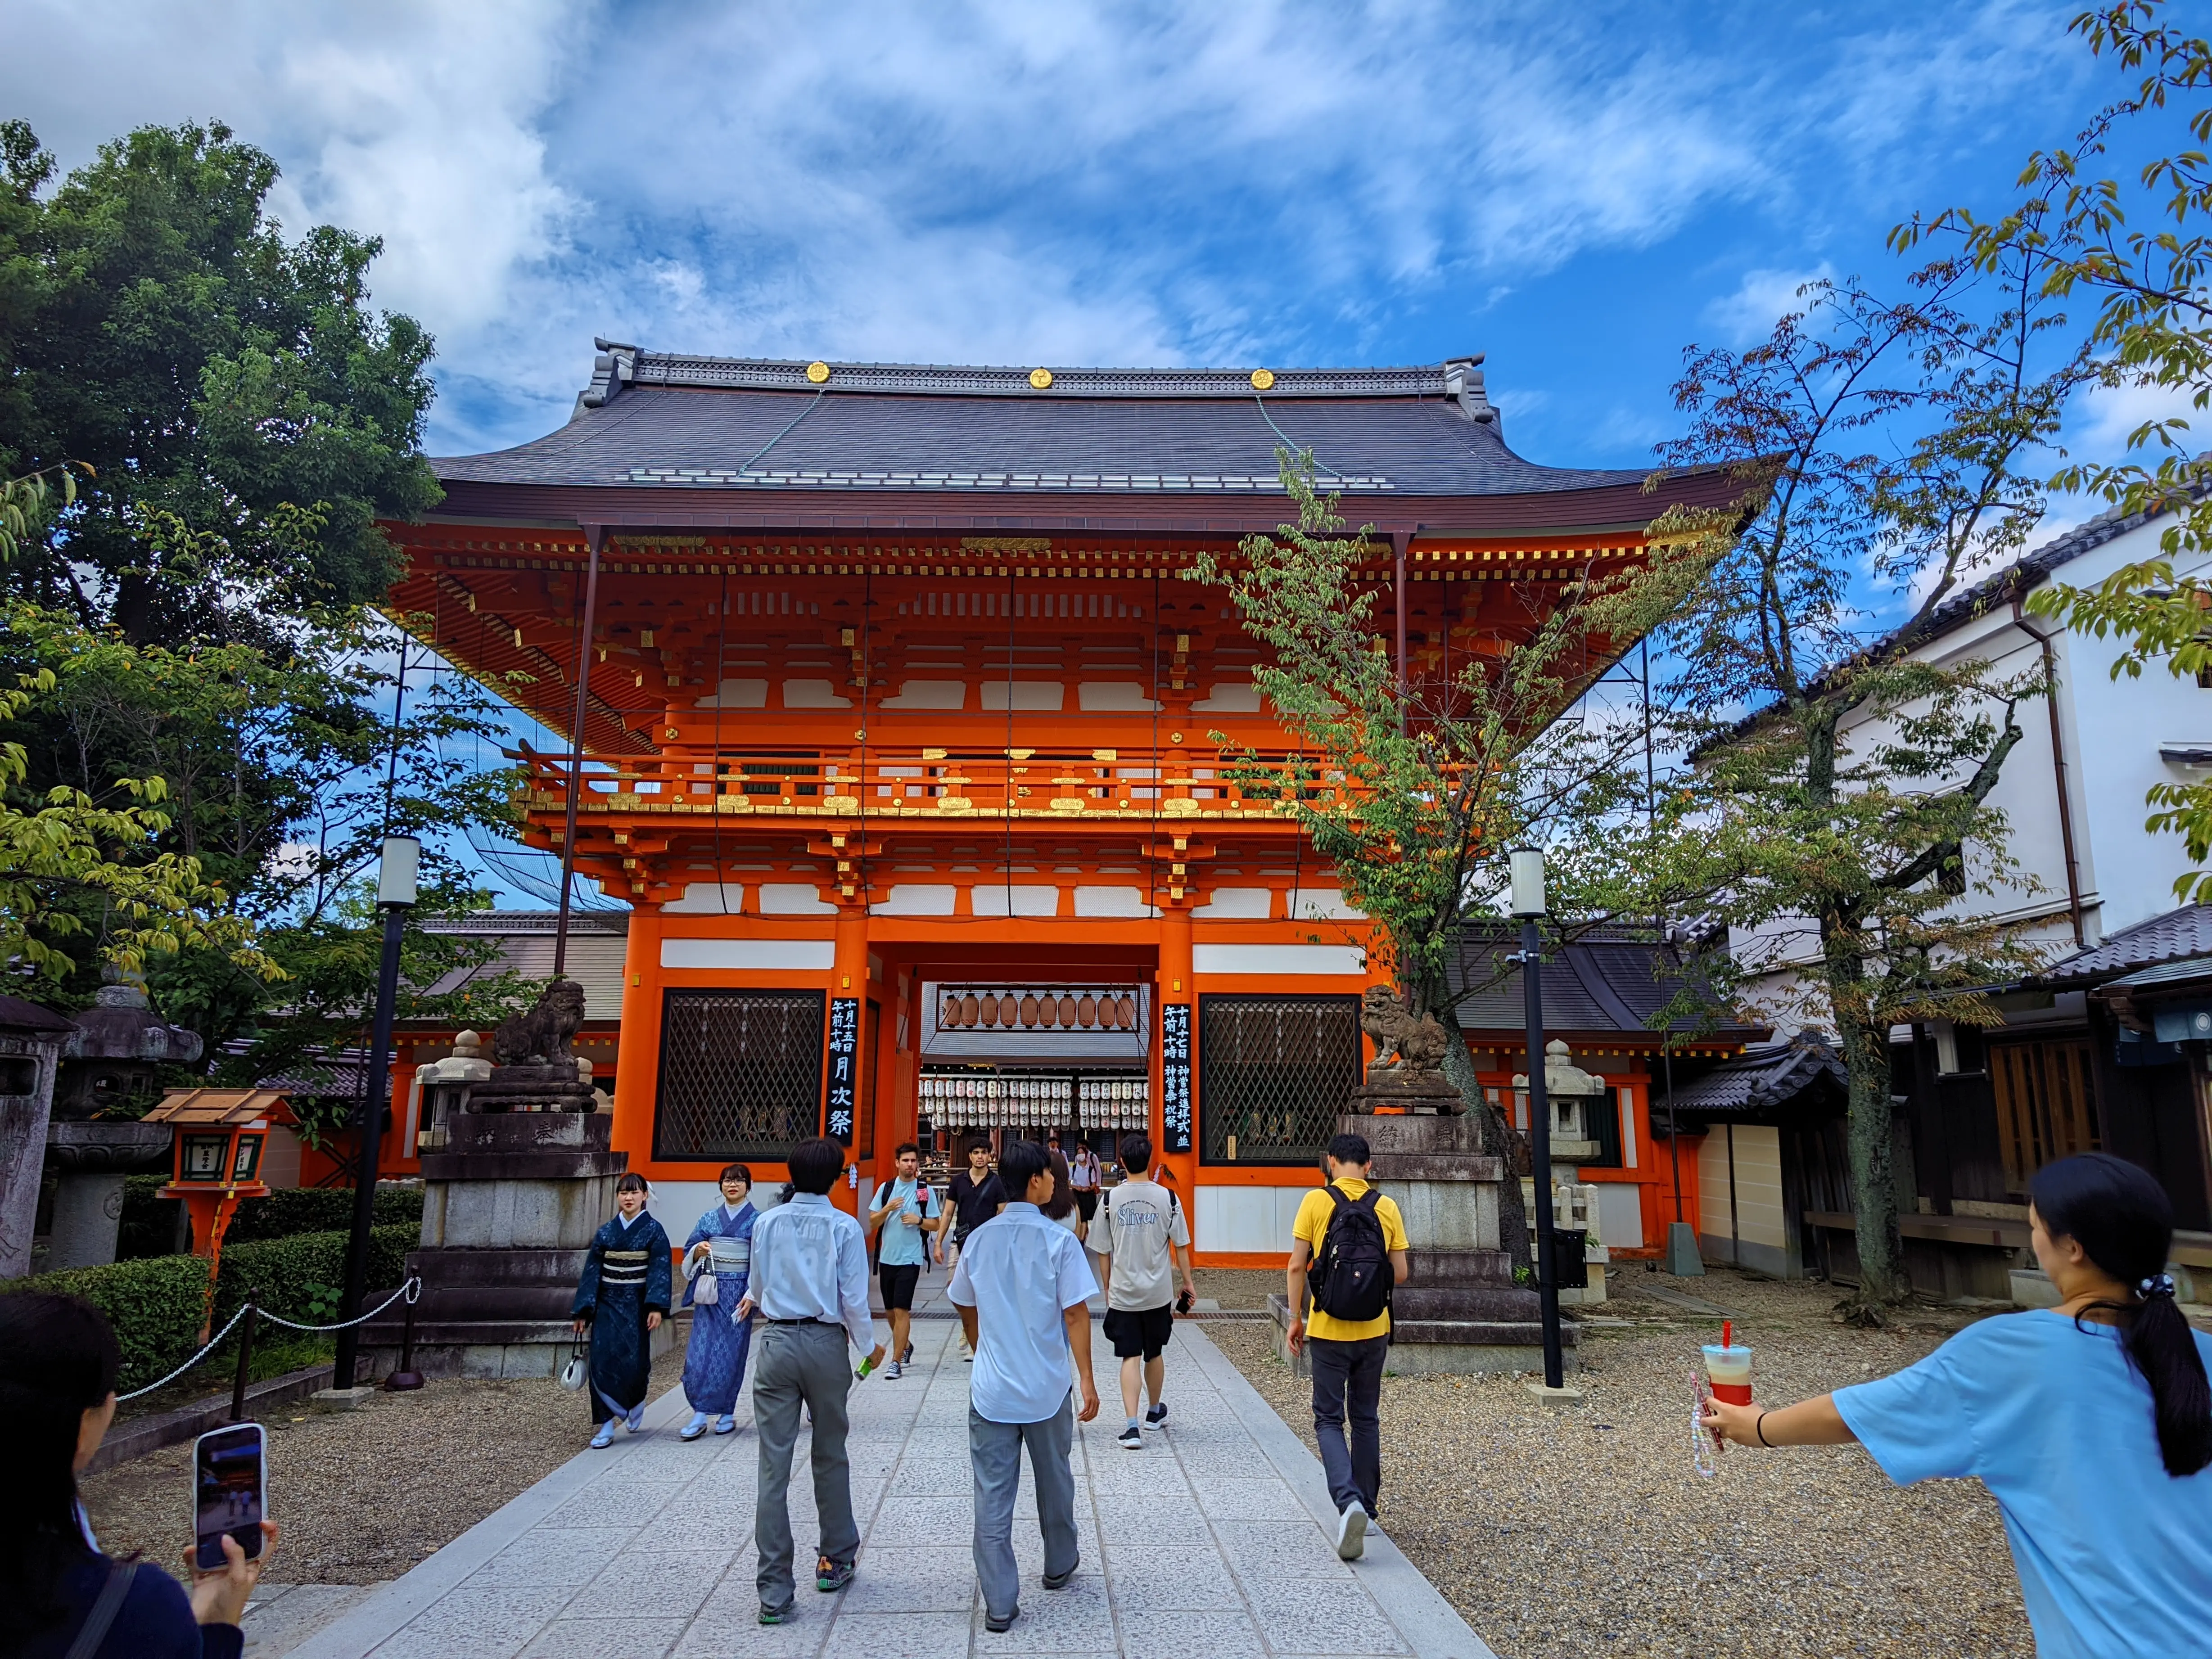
[1351,1534]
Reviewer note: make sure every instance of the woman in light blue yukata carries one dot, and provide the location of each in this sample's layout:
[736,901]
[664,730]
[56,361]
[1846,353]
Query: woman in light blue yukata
[2090,1423]
[719,1253]
[621,1296]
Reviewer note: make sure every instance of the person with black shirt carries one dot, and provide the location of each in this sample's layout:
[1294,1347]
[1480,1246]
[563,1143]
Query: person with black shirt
[59,1361]
[977,1196]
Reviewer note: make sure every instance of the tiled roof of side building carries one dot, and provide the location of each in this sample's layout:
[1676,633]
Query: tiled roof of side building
[1603,983]
[2177,936]
[738,424]
[1766,1078]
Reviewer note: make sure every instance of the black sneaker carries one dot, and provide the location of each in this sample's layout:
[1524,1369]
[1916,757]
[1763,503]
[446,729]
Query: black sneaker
[770,1615]
[1001,1627]
[1130,1439]
[830,1578]
[906,1355]
[1054,1582]
[1158,1415]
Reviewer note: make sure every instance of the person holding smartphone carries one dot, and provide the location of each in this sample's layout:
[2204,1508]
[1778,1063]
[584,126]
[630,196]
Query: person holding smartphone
[58,1361]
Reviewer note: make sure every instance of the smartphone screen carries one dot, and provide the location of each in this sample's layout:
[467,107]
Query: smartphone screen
[230,1491]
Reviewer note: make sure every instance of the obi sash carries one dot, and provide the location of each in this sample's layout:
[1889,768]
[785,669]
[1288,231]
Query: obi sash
[731,1256]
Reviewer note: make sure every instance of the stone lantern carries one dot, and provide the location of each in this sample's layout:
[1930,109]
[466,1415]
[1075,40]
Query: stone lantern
[1574,1096]
[111,1068]
[1572,1091]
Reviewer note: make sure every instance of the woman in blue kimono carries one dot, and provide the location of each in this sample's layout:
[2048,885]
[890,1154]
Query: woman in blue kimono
[622,1296]
[720,1250]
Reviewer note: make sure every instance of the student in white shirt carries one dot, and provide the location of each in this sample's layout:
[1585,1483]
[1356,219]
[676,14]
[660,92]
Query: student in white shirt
[1023,1291]
[1142,1233]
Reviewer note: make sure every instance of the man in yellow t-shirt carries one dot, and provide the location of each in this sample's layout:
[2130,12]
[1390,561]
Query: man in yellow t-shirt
[1347,1355]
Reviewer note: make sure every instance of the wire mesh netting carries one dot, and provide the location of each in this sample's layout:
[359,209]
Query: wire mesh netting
[1273,1073]
[740,1073]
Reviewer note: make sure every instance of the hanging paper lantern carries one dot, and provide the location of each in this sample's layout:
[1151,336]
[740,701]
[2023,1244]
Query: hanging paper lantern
[1067,1011]
[1086,1011]
[968,1011]
[1029,1008]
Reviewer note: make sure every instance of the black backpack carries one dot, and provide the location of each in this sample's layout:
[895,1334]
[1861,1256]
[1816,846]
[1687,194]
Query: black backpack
[1351,1278]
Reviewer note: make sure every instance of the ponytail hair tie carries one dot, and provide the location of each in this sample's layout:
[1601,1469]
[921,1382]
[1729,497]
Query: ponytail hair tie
[2157,1284]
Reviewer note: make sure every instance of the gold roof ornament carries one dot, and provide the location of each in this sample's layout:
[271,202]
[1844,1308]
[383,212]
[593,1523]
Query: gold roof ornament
[1263,379]
[1041,378]
[818,373]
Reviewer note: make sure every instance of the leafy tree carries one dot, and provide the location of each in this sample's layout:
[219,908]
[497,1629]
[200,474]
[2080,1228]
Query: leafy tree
[1413,790]
[158,330]
[2138,248]
[1838,818]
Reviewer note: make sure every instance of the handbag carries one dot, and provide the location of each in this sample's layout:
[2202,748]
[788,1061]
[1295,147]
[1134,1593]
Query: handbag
[706,1288]
[578,1370]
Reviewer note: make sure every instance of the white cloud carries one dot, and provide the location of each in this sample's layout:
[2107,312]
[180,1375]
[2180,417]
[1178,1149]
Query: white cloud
[1760,300]
[989,180]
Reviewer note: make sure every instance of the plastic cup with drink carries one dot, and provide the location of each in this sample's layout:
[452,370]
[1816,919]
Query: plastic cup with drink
[1728,1367]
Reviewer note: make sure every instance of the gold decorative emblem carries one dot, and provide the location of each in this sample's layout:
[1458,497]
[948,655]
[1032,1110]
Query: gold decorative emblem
[1262,378]
[818,373]
[1040,377]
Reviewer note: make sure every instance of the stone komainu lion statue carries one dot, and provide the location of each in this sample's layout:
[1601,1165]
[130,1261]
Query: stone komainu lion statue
[1401,1043]
[540,1037]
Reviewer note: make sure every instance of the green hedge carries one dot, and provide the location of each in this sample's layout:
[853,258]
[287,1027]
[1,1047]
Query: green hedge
[299,1276]
[156,1304]
[290,1212]
[149,1227]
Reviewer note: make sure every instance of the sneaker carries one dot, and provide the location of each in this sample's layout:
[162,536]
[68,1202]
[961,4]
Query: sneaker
[1156,1416]
[605,1437]
[1130,1439]
[726,1423]
[770,1615]
[968,1357]
[695,1428]
[830,1578]
[1059,1580]
[893,1371]
[906,1354]
[1351,1534]
[998,1626]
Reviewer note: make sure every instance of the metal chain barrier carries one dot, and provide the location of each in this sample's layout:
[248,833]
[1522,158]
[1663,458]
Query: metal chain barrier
[412,1290]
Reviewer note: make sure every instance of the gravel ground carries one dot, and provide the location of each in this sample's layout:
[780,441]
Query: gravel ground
[1563,1534]
[364,1495]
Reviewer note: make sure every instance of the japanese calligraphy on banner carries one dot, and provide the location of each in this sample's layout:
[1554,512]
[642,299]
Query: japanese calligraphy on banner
[1174,1076]
[844,1067]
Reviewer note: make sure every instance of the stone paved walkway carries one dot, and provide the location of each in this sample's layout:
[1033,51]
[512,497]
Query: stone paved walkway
[1208,1542]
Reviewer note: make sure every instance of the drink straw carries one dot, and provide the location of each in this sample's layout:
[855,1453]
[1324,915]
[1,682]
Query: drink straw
[1728,1332]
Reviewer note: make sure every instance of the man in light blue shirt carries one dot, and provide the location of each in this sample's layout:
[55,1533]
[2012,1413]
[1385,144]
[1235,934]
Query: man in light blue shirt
[1023,1291]
[810,1284]
[906,1210]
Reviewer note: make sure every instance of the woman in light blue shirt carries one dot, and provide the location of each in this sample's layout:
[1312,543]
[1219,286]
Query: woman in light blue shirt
[2090,1424]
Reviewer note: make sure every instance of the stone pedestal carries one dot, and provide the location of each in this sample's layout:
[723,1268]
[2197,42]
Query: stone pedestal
[1460,1311]
[510,1204]
[89,1161]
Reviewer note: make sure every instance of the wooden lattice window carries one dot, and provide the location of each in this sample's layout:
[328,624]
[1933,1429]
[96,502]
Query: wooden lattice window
[2046,1106]
[1274,1073]
[740,1075]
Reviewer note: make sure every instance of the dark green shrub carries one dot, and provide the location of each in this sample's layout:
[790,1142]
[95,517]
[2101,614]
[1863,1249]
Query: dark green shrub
[290,1212]
[154,1306]
[299,1276]
[150,1224]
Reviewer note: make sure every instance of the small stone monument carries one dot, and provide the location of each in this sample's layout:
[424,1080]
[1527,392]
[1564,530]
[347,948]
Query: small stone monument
[1407,1074]
[1574,1094]
[517,1175]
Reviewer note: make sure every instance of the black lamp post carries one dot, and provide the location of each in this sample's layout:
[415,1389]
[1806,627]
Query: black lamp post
[395,897]
[1527,904]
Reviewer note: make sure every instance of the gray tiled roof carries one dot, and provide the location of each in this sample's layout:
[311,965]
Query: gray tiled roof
[2176,936]
[1767,1078]
[736,423]
[1599,984]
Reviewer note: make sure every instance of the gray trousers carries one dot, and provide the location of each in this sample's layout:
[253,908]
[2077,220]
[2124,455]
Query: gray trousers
[801,1365]
[995,1450]
[1347,1389]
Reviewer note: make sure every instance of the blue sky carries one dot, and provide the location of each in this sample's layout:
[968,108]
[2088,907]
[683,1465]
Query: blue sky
[1577,192]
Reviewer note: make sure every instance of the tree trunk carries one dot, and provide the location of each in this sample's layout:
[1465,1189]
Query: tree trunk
[1499,1138]
[1873,1187]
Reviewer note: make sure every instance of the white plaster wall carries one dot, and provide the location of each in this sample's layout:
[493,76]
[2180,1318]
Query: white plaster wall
[1253,1218]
